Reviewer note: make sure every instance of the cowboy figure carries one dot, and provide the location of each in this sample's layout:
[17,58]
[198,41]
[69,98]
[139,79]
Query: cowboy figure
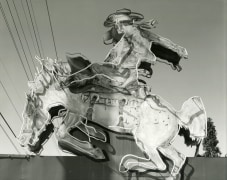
[136,46]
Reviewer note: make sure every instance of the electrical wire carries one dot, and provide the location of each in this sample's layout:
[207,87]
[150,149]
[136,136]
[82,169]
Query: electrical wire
[23,33]
[19,37]
[13,39]
[8,125]
[10,100]
[10,130]
[37,29]
[10,139]
[8,75]
[52,32]
[29,29]
[33,28]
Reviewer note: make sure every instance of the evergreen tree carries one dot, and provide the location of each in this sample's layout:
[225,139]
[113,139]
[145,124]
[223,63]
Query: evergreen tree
[210,142]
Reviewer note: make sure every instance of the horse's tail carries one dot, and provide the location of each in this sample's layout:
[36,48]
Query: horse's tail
[193,117]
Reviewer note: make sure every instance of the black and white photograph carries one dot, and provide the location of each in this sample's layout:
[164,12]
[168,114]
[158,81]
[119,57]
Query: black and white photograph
[113,90]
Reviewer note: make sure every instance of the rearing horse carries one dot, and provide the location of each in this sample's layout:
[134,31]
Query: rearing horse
[152,121]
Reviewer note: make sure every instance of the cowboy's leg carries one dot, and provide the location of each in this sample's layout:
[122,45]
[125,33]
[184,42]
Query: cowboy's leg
[131,79]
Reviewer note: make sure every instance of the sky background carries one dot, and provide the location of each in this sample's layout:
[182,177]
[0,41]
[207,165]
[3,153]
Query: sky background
[197,25]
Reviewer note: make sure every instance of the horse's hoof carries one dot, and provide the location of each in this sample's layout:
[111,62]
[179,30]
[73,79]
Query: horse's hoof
[101,136]
[97,153]
[122,168]
[175,171]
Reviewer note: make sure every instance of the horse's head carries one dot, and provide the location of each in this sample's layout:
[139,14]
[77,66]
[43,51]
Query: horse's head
[42,98]
[35,123]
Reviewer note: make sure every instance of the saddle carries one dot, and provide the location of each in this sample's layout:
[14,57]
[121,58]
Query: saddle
[99,78]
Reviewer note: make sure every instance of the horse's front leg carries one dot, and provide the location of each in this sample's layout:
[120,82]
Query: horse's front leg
[76,146]
[91,131]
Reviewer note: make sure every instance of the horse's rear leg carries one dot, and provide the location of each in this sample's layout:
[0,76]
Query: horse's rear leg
[132,162]
[177,158]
